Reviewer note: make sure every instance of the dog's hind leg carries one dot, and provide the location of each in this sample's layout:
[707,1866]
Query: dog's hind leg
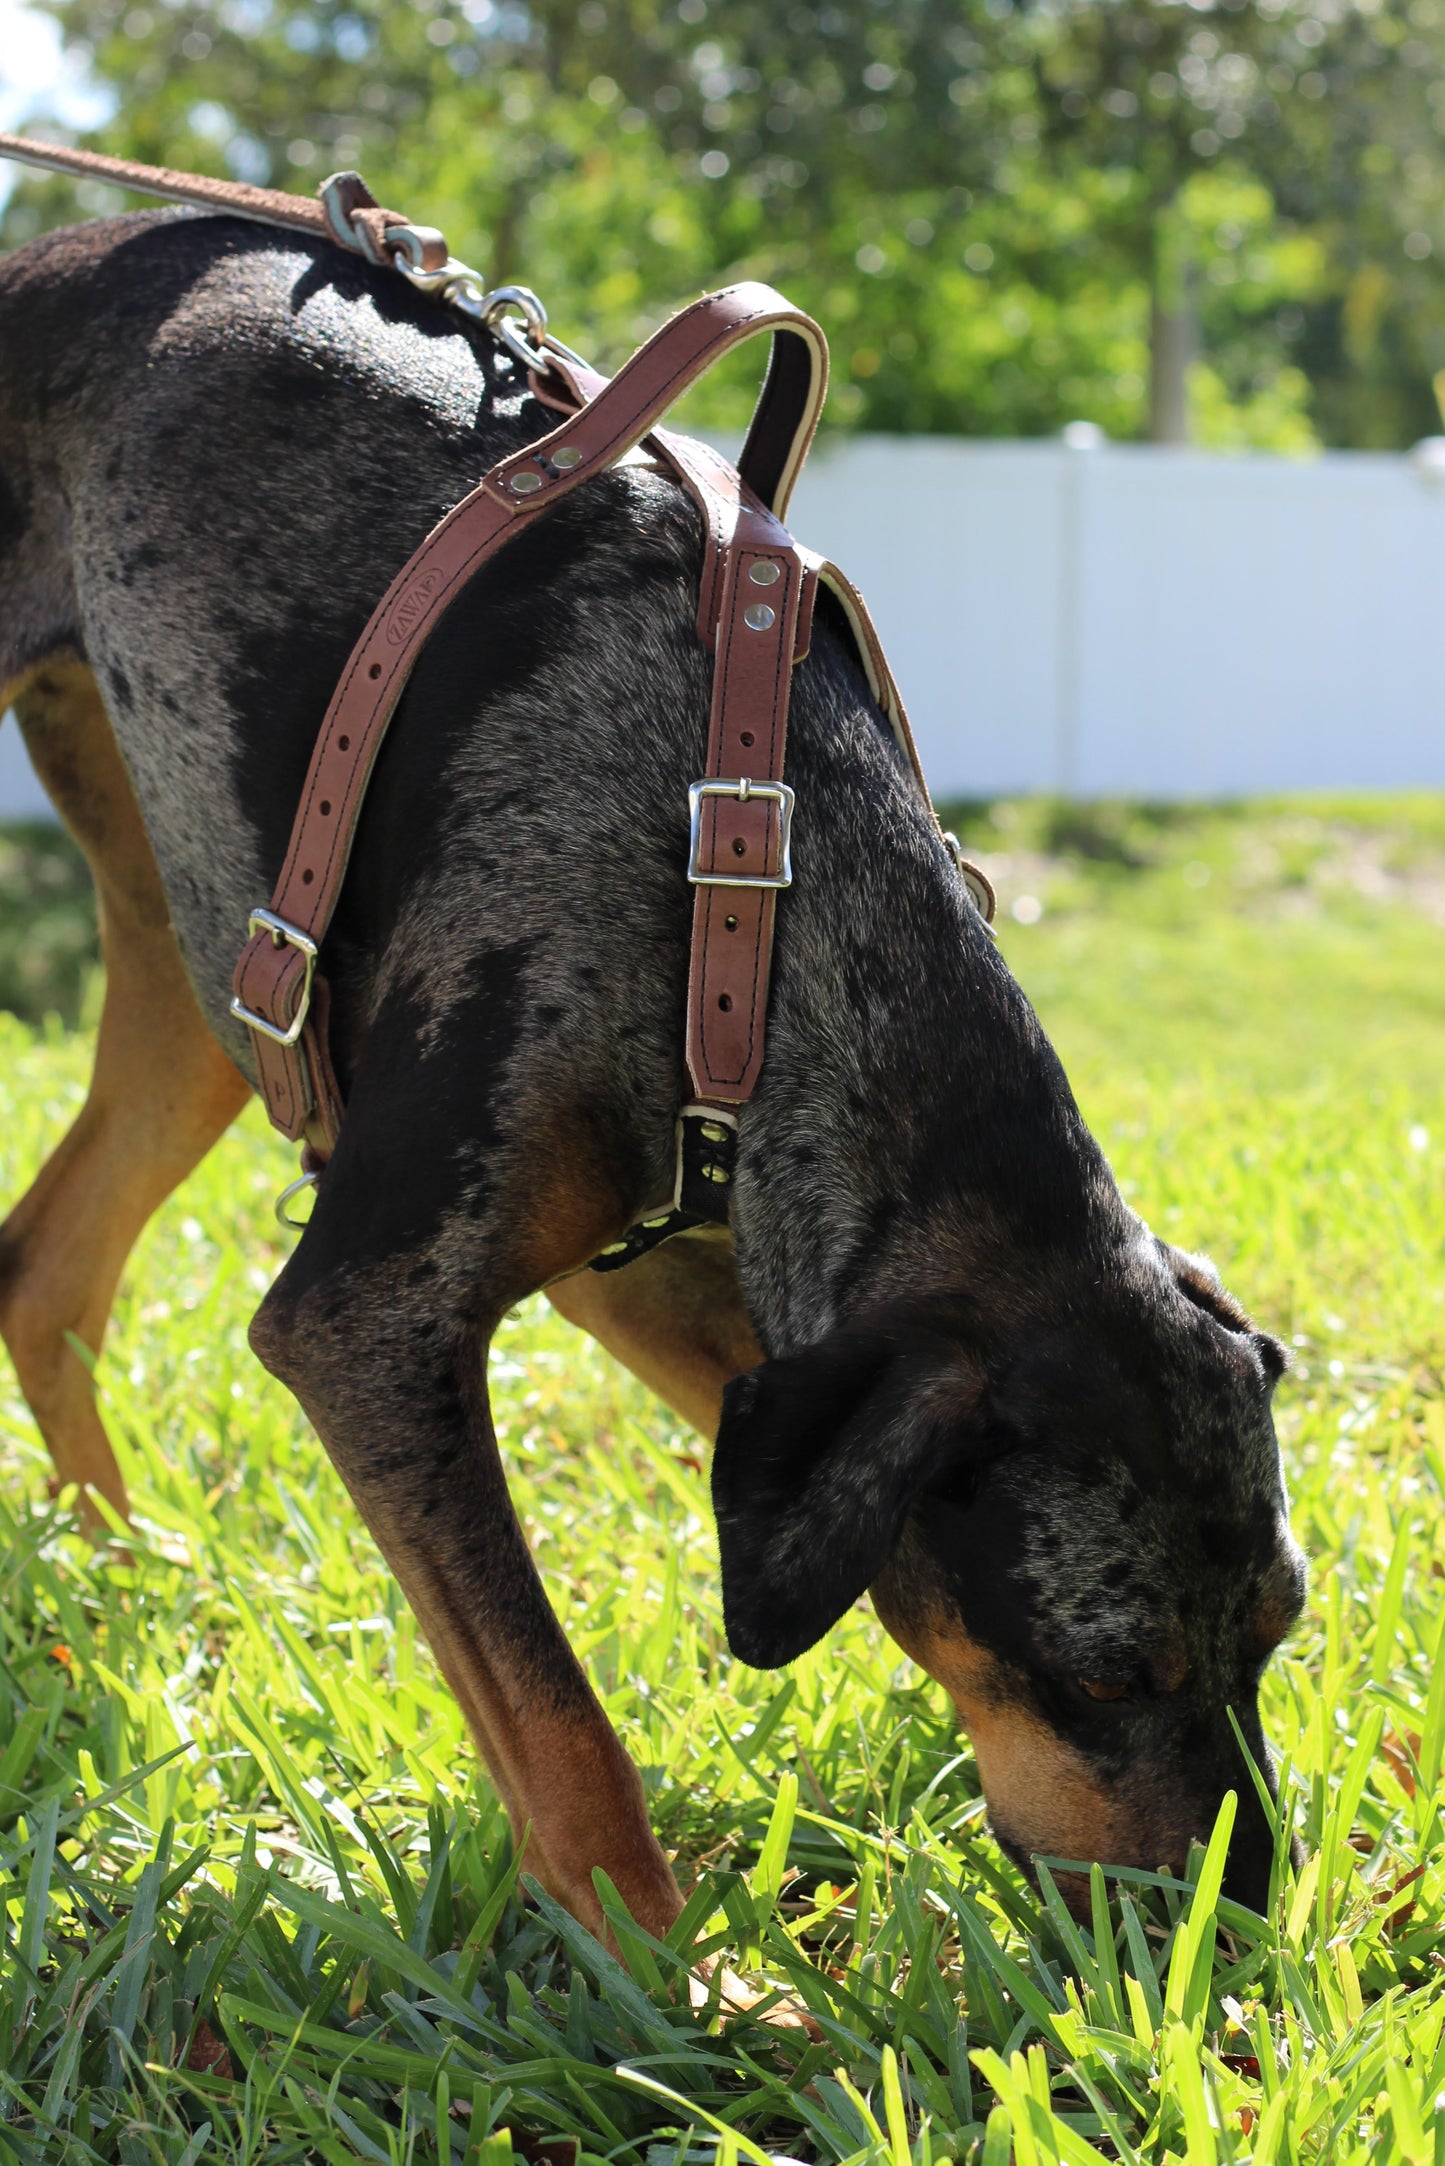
[162,1091]
[675,1318]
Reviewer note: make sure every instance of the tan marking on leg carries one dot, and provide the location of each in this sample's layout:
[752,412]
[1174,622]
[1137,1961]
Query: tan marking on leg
[675,1318]
[161,1093]
[555,1758]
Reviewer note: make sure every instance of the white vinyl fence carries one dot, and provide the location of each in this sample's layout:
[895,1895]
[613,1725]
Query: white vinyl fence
[1123,619]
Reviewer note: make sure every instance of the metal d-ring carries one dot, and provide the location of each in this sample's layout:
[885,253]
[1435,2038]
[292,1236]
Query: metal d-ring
[456,285]
[496,310]
[294,1188]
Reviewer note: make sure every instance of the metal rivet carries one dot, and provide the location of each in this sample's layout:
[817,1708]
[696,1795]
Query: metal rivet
[566,458]
[714,1132]
[765,573]
[527,483]
[757,616]
[731,924]
[715,1173]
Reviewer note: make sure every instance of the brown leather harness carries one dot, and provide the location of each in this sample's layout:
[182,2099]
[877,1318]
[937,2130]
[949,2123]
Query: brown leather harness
[754,614]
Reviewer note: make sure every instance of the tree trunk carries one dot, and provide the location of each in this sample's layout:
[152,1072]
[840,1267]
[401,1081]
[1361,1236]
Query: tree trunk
[1173,346]
[1173,332]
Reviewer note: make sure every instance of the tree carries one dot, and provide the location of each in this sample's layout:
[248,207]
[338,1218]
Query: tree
[1138,212]
[1325,104]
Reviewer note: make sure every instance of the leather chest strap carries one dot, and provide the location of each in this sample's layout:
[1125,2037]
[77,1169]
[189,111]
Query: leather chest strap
[756,589]
[741,810]
[741,818]
[276,972]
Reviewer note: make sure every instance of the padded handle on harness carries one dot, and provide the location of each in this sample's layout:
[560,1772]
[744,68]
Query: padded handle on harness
[786,414]
[275,974]
[784,419]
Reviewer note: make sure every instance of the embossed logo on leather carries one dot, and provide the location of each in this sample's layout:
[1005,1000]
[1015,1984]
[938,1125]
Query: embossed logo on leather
[414,603]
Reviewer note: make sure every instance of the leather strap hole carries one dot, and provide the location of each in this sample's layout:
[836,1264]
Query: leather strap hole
[325,807]
[725,1002]
[307,877]
[343,744]
[375,670]
[740,848]
[731,924]
[746,738]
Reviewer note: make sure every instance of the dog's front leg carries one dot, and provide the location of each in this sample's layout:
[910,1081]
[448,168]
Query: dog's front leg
[393,1376]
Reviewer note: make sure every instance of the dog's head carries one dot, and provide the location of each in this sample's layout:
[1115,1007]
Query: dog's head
[1080,1531]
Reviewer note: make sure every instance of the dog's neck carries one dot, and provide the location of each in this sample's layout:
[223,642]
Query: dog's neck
[914,1131]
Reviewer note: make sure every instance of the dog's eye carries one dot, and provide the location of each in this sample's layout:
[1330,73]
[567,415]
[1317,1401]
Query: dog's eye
[1098,1689]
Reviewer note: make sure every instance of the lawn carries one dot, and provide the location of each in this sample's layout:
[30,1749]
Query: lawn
[260,1905]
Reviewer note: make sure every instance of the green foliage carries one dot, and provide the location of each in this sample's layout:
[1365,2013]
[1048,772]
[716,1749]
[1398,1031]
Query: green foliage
[48,943]
[258,1906]
[981,199]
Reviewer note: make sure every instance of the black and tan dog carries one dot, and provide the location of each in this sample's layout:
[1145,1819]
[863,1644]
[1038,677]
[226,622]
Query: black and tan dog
[951,1367]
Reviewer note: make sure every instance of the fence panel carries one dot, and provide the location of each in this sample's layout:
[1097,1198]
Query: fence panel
[1133,620]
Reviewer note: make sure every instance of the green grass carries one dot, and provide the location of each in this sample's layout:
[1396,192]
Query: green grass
[238,1814]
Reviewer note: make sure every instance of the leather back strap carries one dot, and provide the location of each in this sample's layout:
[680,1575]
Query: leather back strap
[346,212]
[275,975]
[881,681]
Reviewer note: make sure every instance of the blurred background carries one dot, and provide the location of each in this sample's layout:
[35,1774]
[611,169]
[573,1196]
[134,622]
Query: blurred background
[1135,307]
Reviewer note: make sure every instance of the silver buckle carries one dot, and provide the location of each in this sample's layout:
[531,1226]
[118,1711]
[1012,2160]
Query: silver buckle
[290,936]
[776,793]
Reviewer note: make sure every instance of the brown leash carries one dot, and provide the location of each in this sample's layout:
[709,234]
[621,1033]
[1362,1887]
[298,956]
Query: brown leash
[755,614]
[345,212]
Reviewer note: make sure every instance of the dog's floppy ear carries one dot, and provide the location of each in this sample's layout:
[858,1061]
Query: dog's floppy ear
[818,1457]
